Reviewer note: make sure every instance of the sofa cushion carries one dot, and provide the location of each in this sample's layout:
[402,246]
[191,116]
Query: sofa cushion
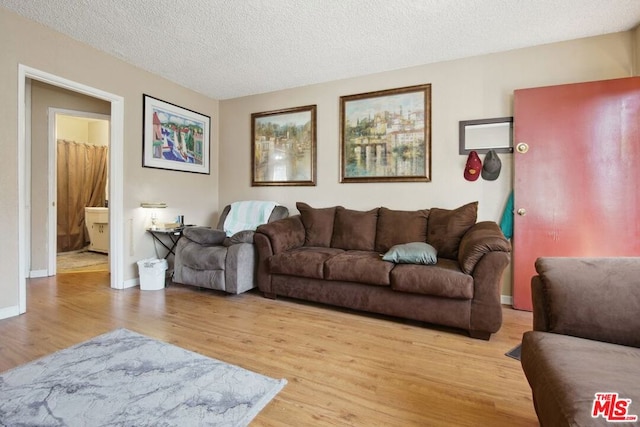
[355,230]
[358,266]
[305,261]
[396,227]
[566,372]
[443,279]
[318,224]
[446,228]
[412,253]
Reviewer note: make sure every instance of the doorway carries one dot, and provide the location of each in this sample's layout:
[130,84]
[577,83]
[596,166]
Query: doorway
[79,193]
[116,243]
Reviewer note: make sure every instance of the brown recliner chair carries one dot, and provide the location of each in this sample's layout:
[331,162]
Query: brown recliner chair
[209,258]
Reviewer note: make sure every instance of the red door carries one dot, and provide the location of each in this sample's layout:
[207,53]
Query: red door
[576,179]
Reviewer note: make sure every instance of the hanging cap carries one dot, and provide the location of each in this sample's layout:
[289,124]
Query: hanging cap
[491,167]
[473,167]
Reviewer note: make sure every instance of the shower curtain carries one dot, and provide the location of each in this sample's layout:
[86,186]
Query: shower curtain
[82,180]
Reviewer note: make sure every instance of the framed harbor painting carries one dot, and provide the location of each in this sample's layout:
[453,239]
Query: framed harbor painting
[174,137]
[283,147]
[385,136]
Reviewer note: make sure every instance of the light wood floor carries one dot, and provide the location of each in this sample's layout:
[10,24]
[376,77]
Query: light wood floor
[343,368]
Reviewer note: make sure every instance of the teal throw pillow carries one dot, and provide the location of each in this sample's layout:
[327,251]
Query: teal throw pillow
[412,253]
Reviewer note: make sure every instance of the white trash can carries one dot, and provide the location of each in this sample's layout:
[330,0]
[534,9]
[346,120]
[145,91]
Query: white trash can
[152,273]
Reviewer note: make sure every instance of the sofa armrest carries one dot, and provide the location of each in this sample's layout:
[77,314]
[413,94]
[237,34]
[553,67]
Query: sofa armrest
[204,235]
[479,240]
[593,298]
[245,236]
[284,234]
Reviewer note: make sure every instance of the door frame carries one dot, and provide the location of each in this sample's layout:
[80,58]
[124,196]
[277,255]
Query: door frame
[52,217]
[116,147]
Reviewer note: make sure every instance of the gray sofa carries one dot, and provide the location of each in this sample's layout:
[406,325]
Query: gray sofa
[334,256]
[586,340]
[207,258]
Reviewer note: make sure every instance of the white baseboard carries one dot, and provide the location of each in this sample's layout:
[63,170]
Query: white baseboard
[506,300]
[33,274]
[9,312]
[131,283]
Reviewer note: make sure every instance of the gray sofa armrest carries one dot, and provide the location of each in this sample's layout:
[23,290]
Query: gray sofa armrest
[245,236]
[482,238]
[593,298]
[204,235]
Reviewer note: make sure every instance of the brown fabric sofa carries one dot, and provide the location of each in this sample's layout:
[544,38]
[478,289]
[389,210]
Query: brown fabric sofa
[586,339]
[333,256]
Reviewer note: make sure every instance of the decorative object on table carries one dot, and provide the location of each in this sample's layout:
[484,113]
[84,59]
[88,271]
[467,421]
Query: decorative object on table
[283,147]
[124,378]
[219,259]
[473,167]
[385,136]
[154,214]
[174,137]
[491,166]
[486,134]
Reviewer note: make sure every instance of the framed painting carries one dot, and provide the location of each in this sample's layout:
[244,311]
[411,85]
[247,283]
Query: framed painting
[283,147]
[385,136]
[174,137]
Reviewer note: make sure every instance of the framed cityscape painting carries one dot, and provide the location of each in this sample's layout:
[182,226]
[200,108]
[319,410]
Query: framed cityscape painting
[174,137]
[385,136]
[283,147]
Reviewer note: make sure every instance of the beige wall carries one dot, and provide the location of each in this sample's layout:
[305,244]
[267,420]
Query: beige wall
[193,195]
[472,88]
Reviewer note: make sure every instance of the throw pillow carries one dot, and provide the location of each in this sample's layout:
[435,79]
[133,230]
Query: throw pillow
[446,228]
[396,227]
[318,224]
[354,230]
[412,253]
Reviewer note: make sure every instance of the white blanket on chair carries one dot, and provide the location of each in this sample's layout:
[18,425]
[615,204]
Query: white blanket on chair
[247,215]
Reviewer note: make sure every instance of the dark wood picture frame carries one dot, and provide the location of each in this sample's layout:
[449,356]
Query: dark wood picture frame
[283,147]
[385,136]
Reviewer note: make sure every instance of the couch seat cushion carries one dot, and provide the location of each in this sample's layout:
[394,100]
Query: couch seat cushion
[566,372]
[443,279]
[358,266]
[199,257]
[304,262]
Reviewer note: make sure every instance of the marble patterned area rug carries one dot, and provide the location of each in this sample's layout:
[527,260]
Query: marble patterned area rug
[124,379]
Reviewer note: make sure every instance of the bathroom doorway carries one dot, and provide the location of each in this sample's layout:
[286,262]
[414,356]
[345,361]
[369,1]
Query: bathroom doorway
[79,212]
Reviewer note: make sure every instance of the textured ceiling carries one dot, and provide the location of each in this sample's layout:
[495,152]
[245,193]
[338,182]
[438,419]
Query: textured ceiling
[232,48]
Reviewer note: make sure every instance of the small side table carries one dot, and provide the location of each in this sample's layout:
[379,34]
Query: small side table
[173,234]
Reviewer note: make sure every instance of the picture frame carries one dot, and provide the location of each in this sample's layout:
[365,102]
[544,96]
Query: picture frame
[174,137]
[283,147]
[385,136]
[483,135]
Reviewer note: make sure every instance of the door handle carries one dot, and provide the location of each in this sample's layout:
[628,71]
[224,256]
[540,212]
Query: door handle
[522,147]
[522,211]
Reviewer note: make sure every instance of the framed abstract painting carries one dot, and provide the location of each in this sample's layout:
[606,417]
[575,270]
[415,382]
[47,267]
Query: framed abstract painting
[174,137]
